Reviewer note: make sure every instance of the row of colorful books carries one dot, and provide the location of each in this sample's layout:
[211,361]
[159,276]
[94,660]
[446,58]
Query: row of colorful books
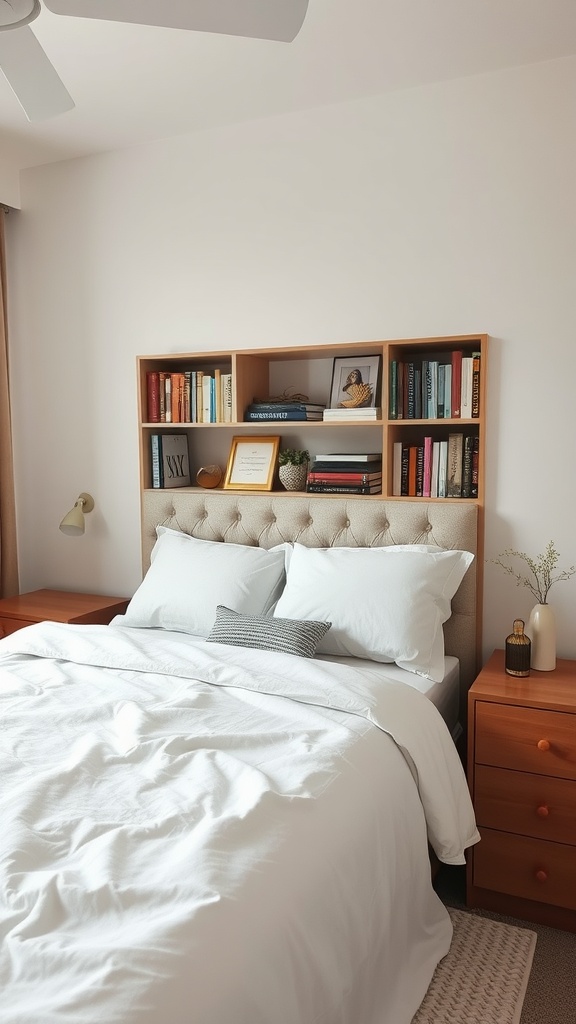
[446,468]
[191,396]
[355,473]
[443,388]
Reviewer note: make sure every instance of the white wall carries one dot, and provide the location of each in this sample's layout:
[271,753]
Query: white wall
[9,185]
[443,210]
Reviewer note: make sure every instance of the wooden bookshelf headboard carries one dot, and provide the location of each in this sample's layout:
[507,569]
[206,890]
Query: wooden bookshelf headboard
[265,520]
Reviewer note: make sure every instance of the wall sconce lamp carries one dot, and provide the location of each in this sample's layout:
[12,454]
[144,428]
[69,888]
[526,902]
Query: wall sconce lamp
[73,524]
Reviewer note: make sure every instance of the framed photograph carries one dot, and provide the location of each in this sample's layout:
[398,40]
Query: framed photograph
[355,382]
[252,463]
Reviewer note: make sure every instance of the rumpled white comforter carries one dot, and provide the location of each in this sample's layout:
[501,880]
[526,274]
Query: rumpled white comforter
[193,833]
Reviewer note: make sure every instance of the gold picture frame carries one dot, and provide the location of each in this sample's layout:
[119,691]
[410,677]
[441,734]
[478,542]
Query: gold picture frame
[252,463]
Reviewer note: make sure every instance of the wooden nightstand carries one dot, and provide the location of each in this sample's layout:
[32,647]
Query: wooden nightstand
[522,776]
[57,606]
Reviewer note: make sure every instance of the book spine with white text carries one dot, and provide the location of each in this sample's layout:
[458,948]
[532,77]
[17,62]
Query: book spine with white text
[275,415]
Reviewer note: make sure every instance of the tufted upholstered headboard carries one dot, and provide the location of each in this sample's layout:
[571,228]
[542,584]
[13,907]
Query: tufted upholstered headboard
[269,519]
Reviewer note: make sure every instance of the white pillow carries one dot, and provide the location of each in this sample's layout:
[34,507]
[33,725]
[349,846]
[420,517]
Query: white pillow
[188,578]
[387,604]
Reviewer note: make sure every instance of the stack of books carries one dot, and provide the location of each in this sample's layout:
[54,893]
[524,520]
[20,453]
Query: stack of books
[271,411]
[367,414]
[348,473]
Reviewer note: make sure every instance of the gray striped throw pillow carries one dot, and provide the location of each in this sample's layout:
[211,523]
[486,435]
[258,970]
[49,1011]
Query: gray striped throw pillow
[288,636]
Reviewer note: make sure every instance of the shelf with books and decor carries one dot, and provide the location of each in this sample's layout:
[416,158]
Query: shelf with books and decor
[388,399]
[435,429]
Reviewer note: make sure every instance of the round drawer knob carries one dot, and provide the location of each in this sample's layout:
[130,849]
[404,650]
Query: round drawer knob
[543,811]
[543,744]
[541,875]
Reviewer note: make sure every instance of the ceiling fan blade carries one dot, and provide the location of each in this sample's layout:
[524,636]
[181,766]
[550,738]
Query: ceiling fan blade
[260,19]
[31,76]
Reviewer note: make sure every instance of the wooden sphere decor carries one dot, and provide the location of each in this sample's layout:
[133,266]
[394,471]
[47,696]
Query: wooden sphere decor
[209,476]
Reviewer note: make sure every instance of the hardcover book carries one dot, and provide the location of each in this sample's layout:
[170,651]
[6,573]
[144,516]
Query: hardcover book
[427,479]
[342,488]
[443,469]
[466,388]
[393,391]
[255,414]
[226,380]
[170,463]
[352,414]
[315,477]
[467,466]
[350,457]
[456,382]
[346,467]
[153,396]
[397,469]
[454,477]
[476,385]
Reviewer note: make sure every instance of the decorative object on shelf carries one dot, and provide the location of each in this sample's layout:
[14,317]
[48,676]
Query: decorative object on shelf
[73,524]
[517,656]
[541,624]
[209,476]
[288,396]
[251,463]
[542,630]
[293,468]
[355,382]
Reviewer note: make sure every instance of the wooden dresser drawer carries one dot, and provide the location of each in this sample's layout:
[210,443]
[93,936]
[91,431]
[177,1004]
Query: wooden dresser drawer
[532,869]
[530,805]
[526,739]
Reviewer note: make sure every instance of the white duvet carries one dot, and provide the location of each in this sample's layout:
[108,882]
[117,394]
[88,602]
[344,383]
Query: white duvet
[193,833]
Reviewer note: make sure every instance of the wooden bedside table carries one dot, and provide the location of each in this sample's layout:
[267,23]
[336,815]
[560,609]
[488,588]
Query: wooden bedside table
[522,777]
[57,606]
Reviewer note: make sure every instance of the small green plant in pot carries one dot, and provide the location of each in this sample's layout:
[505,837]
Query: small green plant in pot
[293,468]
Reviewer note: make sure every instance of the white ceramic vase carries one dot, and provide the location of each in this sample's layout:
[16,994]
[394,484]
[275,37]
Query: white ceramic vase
[293,478]
[541,629]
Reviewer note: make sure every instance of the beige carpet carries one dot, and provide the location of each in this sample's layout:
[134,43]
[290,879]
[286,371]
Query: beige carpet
[482,980]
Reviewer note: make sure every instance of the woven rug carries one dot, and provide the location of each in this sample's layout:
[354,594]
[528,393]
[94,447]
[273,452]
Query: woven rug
[483,978]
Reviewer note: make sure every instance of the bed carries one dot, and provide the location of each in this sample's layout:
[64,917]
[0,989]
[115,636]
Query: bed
[218,809]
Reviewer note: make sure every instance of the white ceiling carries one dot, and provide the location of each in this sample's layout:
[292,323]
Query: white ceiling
[132,83]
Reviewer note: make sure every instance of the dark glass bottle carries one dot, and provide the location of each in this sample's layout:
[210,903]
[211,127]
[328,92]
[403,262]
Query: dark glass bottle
[517,657]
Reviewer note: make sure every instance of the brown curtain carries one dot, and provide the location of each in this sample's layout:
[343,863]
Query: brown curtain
[8,552]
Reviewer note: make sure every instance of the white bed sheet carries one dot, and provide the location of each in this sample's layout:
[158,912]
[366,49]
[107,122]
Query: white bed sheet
[445,695]
[183,843]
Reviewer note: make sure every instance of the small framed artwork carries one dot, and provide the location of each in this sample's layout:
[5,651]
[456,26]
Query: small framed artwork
[355,382]
[252,463]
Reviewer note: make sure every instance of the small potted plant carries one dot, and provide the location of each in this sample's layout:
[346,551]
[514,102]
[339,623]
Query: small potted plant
[293,468]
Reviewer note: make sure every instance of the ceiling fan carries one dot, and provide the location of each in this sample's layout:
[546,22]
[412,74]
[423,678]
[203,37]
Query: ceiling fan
[38,87]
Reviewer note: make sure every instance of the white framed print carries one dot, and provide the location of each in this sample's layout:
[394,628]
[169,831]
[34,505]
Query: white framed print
[355,382]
